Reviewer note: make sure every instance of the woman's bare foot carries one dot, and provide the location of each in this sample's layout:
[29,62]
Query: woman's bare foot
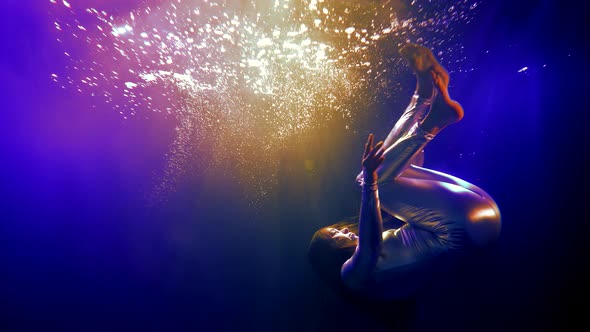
[445,111]
[421,61]
[432,80]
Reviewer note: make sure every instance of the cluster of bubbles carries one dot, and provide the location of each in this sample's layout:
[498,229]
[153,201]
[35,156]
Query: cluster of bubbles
[248,75]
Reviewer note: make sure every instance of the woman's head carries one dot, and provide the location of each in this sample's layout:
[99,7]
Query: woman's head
[330,247]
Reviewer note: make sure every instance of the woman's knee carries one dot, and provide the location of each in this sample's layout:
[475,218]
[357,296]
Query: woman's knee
[484,222]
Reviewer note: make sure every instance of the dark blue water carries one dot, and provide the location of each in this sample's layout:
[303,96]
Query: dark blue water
[80,251]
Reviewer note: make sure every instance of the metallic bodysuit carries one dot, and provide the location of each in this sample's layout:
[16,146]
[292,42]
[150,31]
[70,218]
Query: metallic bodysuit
[442,213]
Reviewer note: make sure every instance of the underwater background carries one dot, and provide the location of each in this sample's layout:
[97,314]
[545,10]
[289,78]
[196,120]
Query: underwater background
[165,163]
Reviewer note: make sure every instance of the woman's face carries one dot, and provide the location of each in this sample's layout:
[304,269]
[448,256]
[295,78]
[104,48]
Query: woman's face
[343,236]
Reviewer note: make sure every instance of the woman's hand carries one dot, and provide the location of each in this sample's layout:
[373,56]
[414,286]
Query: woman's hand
[372,159]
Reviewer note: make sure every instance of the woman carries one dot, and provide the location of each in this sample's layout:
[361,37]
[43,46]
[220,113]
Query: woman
[441,214]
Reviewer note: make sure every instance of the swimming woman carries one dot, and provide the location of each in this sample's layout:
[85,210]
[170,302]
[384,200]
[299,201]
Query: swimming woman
[438,214]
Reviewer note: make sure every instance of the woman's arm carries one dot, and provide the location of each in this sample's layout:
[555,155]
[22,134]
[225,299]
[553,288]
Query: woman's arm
[358,269]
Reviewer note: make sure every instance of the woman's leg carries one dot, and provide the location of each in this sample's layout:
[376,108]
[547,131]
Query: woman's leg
[422,173]
[443,113]
[444,206]
[421,60]
[446,112]
[459,213]
[424,117]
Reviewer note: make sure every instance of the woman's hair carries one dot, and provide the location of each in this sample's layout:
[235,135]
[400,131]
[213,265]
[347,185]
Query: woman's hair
[327,255]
